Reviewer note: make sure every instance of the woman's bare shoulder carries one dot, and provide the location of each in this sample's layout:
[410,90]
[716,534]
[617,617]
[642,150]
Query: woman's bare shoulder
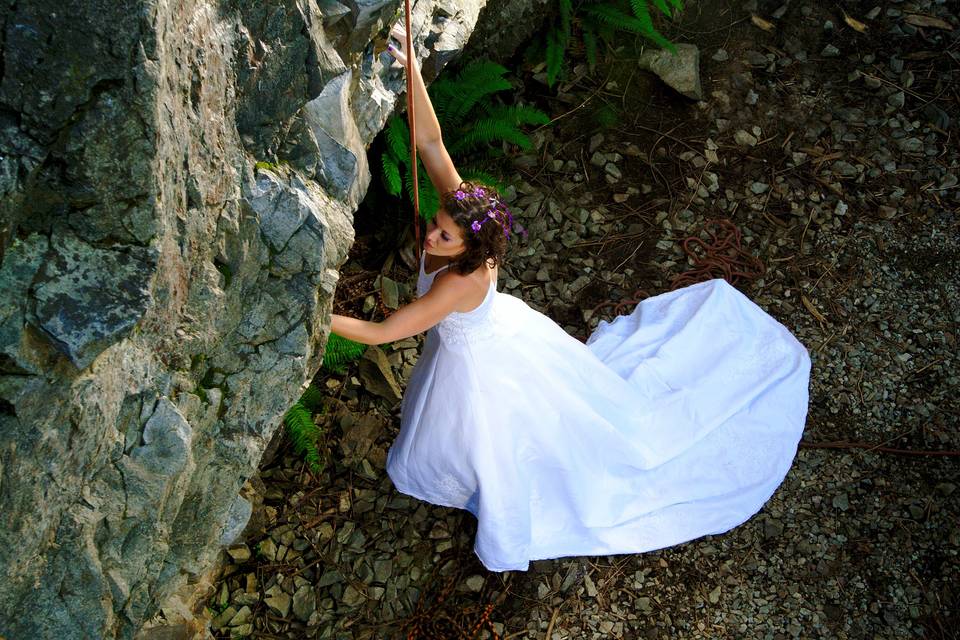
[469,286]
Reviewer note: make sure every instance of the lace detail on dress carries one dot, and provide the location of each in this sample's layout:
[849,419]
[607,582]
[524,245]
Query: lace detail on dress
[471,326]
[461,327]
[451,490]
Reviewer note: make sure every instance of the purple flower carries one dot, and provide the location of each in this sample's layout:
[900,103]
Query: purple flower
[476,225]
[478,192]
[459,195]
[491,214]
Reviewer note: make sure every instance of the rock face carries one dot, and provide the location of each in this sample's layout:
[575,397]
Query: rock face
[506,24]
[177,184]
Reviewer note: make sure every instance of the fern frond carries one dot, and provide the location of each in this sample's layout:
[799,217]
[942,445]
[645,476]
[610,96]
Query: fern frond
[391,174]
[642,25]
[339,351]
[477,80]
[555,52]
[590,45]
[662,5]
[304,434]
[312,399]
[398,139]
[519,114]
[442,92]
[615,18]
[429,198]
[475,174]
[566,12]
[488,130]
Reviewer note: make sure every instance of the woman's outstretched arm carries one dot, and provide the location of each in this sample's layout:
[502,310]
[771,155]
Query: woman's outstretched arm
[416,317]
[443,174]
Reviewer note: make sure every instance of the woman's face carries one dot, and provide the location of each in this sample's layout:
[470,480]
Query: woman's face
[444,237]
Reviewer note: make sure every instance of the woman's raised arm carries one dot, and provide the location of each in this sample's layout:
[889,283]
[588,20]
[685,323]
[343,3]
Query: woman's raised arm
[443,174]
[418,316]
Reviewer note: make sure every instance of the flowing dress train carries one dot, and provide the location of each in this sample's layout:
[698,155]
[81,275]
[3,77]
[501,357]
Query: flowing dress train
[676,421]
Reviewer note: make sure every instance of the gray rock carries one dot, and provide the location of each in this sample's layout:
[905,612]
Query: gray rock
[280,603]
[680,71]
[475,582]
[352,597]
[846,169]
[830,51]
[910,145]
[744,139]
[720,55]
[840,501]
[237,519]
[304,602]
[389,290]
[377,376]
[343,166]
[756,58]
[210,161]
[90,298]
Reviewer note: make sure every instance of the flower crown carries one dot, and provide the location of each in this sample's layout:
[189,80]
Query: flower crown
[498,212]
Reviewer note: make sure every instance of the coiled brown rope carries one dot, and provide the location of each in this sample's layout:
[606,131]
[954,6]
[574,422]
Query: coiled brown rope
[720,257]
[435,617]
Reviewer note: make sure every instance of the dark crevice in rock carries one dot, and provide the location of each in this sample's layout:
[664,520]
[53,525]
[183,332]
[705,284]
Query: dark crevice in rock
[7,409]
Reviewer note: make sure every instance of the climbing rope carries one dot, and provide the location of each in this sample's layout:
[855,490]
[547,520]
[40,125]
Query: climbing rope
[435,617]
[720,257]
[413,127]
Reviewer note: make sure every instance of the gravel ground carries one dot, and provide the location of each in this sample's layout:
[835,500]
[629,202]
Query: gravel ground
[834,153]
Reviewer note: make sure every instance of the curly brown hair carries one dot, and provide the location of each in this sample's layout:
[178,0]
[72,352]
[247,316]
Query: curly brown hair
[469,203]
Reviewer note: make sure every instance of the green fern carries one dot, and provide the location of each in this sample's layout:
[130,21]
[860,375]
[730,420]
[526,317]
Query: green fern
[398,140]
[566,16]
[478,80]
[475,174]
[340,351]
[600,20]
[391,174]
[590,45]
[660,4]
[470,117]
[429,198]
[555,54]
[303,432]
[486,131]
[312,399]
[518,115]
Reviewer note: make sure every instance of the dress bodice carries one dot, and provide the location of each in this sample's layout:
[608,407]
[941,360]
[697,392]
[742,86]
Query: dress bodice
[462,326]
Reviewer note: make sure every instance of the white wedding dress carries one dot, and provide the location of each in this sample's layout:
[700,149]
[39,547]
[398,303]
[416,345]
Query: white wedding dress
[677,421]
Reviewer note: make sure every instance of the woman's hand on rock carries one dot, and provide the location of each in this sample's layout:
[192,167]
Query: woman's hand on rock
[396,50]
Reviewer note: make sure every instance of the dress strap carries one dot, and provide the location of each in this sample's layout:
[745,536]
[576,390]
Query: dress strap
[423,267]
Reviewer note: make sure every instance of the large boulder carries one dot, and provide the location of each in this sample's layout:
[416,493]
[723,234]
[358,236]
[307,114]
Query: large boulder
[177,186]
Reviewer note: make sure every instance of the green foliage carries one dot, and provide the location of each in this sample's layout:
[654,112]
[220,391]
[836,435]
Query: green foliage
[303,432]
[272,166]
[600,20]
[472,120]
[340,351]
[606,116]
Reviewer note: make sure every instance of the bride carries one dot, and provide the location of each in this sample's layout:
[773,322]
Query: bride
[676,421]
